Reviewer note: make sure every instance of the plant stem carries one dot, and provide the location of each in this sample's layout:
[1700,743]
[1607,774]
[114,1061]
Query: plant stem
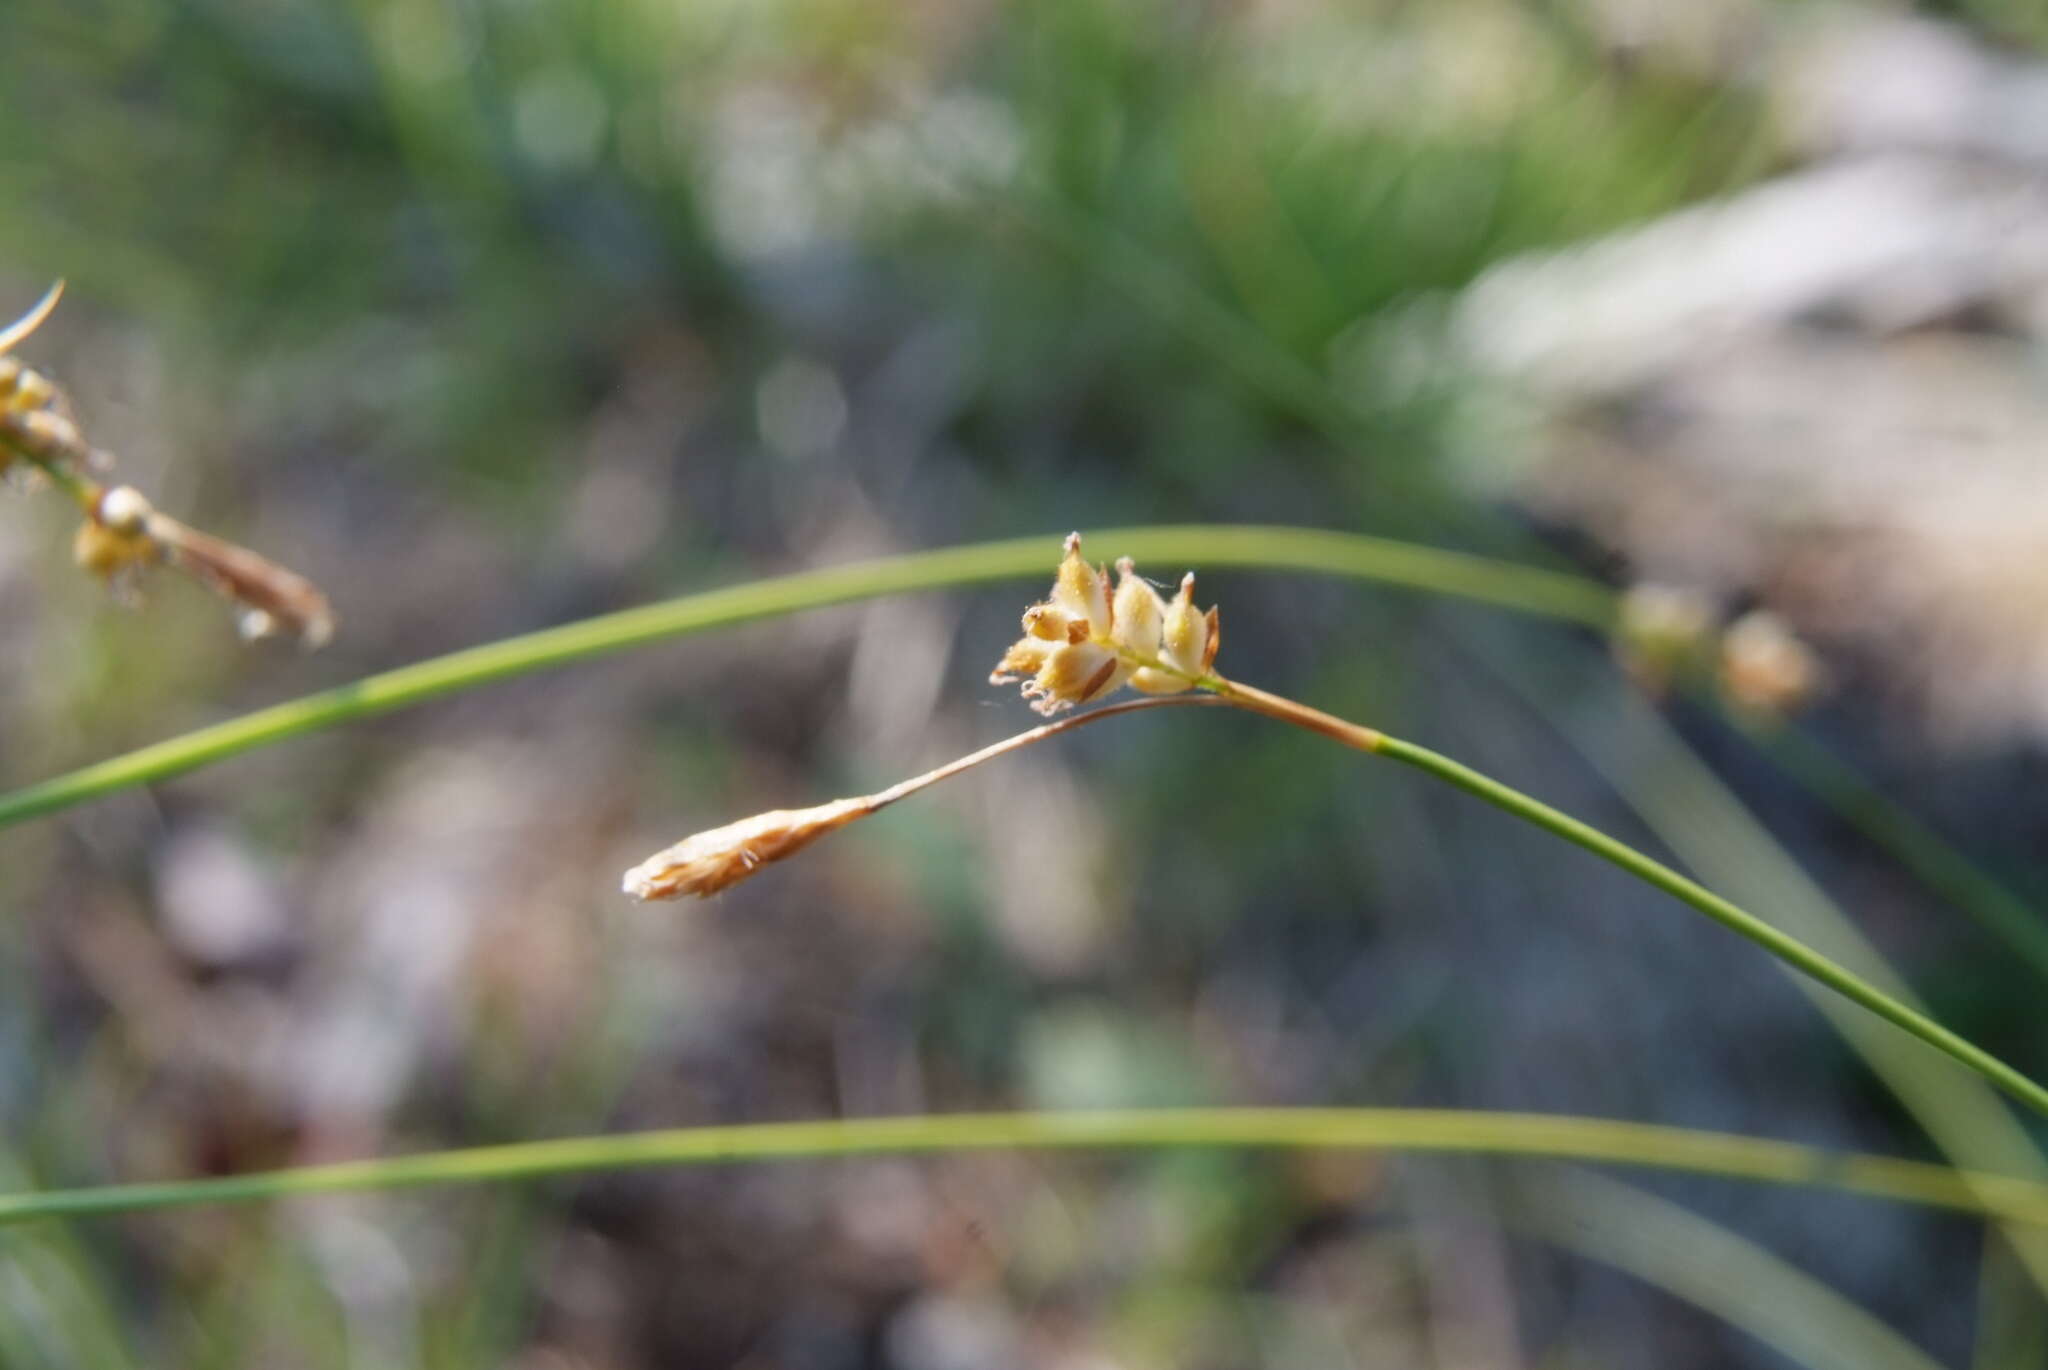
[1786,948]
[903,789]
[1522,1135]
[1259,701]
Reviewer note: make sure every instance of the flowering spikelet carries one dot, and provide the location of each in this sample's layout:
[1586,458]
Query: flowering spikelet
[35,419]
[123,534]
[1079,644]
[1765,669]
[1083,642]
[707,862]
[1662,633]
[719,859]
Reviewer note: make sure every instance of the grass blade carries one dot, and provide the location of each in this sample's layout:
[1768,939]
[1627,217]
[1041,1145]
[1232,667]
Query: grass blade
[1715,1269]
[1515,1135]
[1501,584]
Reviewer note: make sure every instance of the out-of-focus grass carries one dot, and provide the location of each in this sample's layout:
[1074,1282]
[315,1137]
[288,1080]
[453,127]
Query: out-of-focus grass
[1521,1136]
[1891,825]
[1705,1264]
[1970,1124]
[1691,812]
[1657,1241]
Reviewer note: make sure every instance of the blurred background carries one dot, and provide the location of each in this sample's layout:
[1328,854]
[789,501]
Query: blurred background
[489,314]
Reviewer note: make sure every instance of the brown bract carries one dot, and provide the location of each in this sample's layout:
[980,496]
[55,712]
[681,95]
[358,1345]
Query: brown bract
[124,534]
[707,862]
[273,600]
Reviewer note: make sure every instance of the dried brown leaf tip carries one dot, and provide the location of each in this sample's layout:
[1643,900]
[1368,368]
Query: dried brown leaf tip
[1085,642]
[271,600]
[123,534]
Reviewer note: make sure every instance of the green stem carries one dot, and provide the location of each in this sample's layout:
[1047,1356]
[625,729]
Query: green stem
[1522,1135]
[1701,822]
[1785,947]
[1392,563]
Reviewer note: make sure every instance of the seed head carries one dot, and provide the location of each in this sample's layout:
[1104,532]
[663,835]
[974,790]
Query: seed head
[1083,643]
[1765,668]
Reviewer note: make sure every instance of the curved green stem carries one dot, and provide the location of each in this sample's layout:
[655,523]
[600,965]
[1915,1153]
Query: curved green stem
[1785,947]
[1392,563]
[1522,1135]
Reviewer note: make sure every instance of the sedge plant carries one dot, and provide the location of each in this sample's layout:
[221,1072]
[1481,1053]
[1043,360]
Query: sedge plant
[1079,646]
[1089,639]
[1086,641]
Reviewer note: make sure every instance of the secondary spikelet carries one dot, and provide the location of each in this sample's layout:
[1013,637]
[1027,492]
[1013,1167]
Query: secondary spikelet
[707,862]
